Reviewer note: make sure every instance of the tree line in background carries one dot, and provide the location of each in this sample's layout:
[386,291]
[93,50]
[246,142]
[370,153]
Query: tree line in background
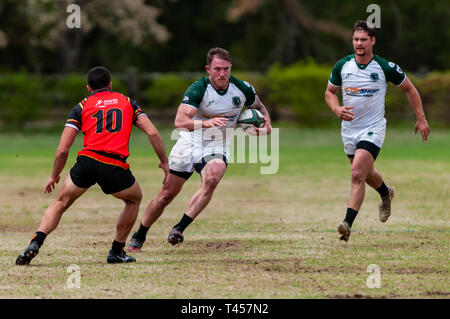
[293,93]
[155,49]
[174,35]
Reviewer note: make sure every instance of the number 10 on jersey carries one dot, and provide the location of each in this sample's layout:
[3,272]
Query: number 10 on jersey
[113,120]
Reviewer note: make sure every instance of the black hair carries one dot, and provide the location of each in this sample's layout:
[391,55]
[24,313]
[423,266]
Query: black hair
[98,78]
[362,25]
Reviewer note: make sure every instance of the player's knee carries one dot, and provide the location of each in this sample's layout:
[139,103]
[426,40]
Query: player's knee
[63,204]
[166,197]
[133,199]
[139,197]
[358,176]
[210,181]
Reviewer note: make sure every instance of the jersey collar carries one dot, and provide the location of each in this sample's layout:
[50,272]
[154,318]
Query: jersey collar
[363,66]
[101,90]
[220,92]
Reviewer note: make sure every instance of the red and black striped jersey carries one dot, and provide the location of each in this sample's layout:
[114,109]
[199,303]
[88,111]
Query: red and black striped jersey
[106,119]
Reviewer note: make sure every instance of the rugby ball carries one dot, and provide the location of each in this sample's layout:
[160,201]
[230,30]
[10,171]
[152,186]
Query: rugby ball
[250,118]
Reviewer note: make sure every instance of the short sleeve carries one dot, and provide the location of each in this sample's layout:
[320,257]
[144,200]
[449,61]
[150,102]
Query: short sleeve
[74,118]
[247,89]
[194,94]
[137,110]
[335,76]
[392,71]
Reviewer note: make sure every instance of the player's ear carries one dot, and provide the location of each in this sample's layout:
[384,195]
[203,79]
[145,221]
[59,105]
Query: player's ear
[373,40]
[110,86]
[207,68]
[89,89]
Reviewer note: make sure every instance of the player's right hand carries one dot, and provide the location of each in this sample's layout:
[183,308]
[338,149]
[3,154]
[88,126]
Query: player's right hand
[51,181]
[215,121]
[165,168]
[344,113]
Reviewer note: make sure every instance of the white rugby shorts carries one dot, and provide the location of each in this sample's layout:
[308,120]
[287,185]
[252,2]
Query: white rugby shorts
[184,155]
[351,136]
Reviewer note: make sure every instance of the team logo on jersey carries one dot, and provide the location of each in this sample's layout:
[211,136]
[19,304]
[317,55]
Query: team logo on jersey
[391,64]
[374,77]
[236,101]
[210,102]
[347,75]
[186,98]
[399,70]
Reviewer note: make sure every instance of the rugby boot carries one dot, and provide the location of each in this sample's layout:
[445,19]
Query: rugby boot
[175,237]
[344,230]
[28,254]
[115,258]
[385,205]
[135,245]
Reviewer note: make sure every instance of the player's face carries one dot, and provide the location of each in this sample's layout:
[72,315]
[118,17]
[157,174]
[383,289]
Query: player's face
[219,72]
[362,43]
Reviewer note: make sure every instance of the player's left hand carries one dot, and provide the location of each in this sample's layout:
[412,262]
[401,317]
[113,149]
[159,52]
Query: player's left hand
[424,128]
[51,181]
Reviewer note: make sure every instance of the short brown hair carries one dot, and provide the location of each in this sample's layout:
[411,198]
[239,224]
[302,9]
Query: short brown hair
[362,25]
[221,53]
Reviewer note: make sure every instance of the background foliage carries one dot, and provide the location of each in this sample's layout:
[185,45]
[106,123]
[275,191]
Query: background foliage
[155,49]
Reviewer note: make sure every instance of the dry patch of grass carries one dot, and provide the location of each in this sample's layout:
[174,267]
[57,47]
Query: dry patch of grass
[261,236]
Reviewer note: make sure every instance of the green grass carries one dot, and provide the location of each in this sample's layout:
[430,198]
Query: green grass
[262,236]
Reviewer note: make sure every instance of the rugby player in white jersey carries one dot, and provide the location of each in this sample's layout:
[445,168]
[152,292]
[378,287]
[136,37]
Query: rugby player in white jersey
[363,78]
[209,106]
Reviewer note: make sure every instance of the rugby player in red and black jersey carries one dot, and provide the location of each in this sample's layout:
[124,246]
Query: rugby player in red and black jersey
[106,119]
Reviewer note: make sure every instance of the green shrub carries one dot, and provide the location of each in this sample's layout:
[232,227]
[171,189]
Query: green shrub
[301,87]
[22,98]
[167,91]
[435,92]
[296,90]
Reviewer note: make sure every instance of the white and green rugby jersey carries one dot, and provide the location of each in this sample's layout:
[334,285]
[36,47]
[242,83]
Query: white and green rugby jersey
[211,102]
[364,87]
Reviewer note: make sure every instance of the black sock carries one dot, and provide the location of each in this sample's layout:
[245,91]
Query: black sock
[383,190]
[117,247]
[350,216]
[183,223]
[141,233]
[38,237]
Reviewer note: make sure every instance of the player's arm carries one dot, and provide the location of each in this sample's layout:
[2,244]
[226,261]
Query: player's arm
[415,101]
[267,128]
[342,112]
[184,120]
[144,123]
[62,152]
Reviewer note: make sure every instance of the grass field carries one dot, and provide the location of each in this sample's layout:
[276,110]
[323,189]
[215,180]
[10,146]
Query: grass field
[262,236]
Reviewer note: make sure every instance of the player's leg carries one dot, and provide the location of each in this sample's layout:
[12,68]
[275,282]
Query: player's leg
[132,197]
[68,194]
[155,208]
[181,168]
[375,180]
[169,191]
[212,172]
[361,167]
[362,164]
[120,183]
